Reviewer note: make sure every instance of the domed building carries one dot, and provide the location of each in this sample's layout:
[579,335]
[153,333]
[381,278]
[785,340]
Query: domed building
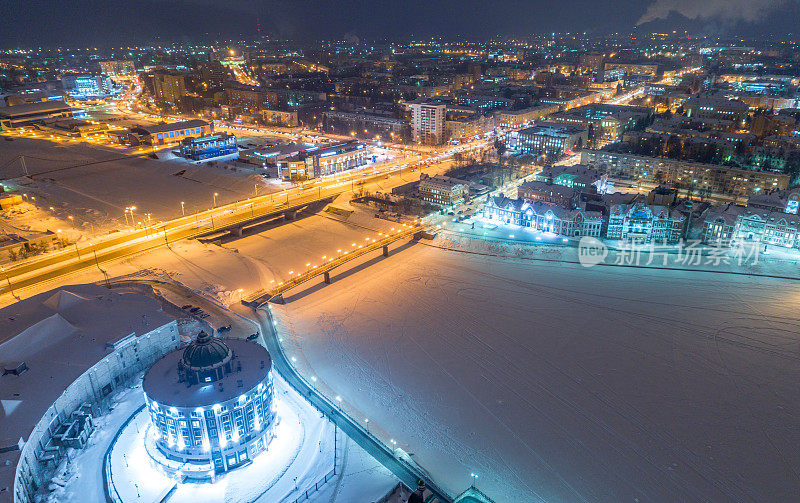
[211,404]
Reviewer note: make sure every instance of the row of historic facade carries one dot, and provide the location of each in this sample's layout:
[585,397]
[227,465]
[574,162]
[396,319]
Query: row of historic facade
[770,219]
[633,221]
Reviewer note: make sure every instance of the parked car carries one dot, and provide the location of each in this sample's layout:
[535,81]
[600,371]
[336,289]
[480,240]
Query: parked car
[186,306]
[225,328]
[195,310]
[252,337]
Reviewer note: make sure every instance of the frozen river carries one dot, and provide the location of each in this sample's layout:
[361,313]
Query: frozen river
[555,383]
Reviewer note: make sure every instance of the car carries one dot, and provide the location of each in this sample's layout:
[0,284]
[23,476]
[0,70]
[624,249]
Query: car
[252,337]
[224,328]
[195,310]
[186,306]
[204,315]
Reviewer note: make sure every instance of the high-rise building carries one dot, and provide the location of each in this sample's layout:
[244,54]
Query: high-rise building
[427,122]
[169,87]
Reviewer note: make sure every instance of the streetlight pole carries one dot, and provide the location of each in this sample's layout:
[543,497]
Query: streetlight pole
[183,211]
[8,280]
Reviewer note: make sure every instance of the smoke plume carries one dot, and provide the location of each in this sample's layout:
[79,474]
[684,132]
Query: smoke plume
[724,10]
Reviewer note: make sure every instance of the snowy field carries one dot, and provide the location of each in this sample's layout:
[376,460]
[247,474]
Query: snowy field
[555,382]
[96,193]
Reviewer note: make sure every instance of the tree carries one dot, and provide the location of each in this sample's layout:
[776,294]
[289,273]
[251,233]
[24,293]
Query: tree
[500,147]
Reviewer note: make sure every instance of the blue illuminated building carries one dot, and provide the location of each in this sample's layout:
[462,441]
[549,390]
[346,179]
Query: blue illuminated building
[211,405]
[208,147]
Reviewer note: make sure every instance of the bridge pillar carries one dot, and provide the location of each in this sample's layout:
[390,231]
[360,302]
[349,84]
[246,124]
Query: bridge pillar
[385,250]
[326,276]
[238,231]
[290,215]
[278,299]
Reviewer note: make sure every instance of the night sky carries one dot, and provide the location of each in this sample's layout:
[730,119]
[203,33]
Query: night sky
[82,23]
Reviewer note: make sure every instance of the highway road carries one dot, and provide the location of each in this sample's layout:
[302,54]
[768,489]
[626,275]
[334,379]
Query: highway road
[134,241]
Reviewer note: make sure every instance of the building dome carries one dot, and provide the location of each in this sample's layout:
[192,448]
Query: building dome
[206,352]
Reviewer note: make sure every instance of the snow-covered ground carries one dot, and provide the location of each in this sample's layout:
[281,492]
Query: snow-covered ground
[555,382]
[300,455]
[103,181]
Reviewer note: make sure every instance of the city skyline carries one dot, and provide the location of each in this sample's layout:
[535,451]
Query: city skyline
[90,22]
[420,252]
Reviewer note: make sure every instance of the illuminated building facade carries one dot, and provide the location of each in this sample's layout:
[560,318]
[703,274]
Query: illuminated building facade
[644,223]
[211,404]
[544,217]
[208,147]
[321,161]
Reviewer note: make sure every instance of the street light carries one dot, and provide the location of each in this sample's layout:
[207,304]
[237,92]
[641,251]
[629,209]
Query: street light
[183,212]
[8,280]
[215,199]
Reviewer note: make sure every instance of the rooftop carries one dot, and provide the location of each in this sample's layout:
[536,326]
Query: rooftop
[161,128]
[59,335]
[162,380]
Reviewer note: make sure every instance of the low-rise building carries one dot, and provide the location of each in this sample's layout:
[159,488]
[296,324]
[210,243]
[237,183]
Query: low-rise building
[544,217]
[606,123]
[441,190]
[463,124]
[33,113]
[286,118]
[164,134]
[644,223]
[315,162]
[731,224]
[72,128]
[548,138]
[513,119]
[714,178]
[767,218]
[714,108]
[579,176]
[538,191]
[208,147]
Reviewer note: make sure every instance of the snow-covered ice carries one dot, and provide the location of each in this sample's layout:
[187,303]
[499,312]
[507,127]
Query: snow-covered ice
[555,382]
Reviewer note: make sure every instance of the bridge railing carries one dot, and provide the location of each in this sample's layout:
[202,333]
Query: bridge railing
[258,296]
